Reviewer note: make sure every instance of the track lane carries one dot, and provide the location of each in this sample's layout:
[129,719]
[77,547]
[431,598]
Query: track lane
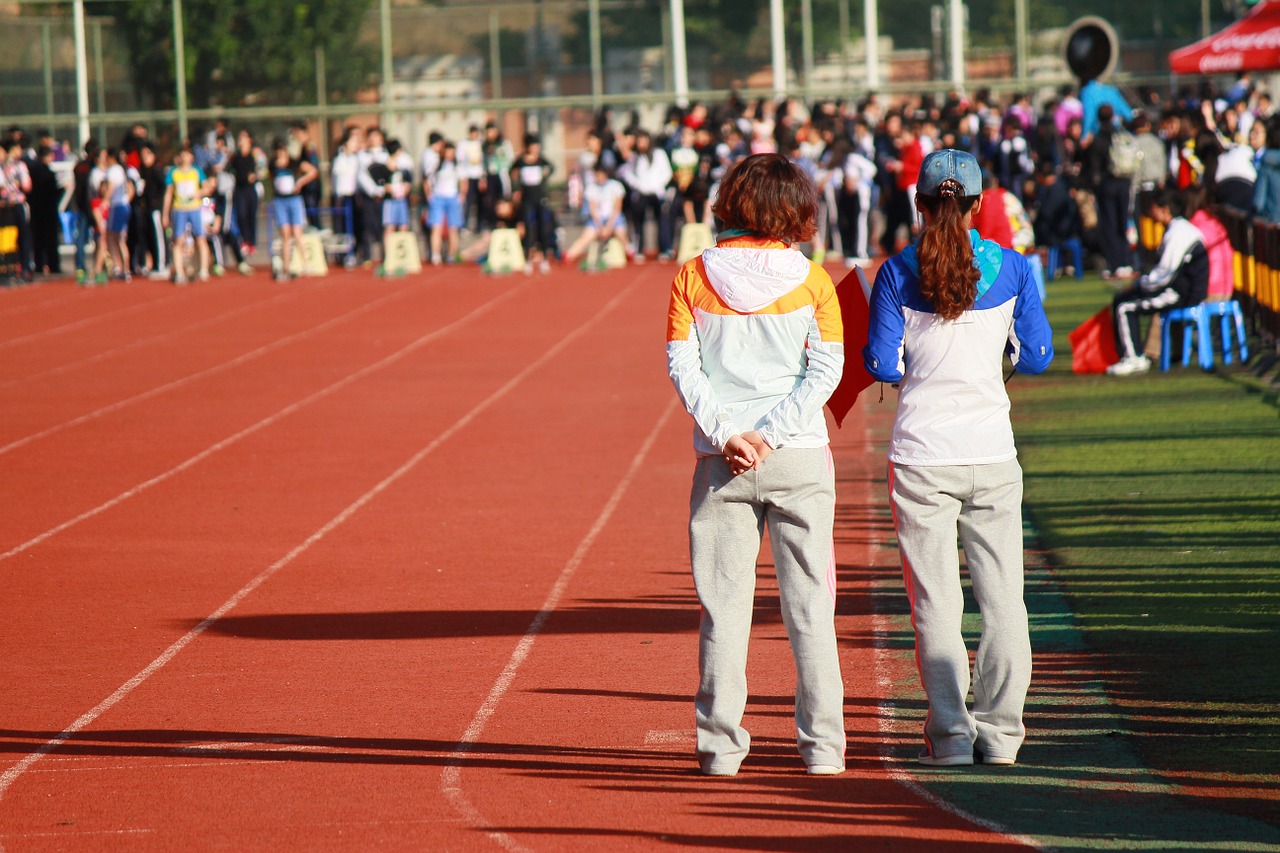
[325,707]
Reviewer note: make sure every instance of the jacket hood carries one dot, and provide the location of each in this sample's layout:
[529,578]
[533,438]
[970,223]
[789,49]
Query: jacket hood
[988,257]
[749,278]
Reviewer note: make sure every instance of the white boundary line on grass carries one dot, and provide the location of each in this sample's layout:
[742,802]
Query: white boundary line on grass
[880,630]
[15,772]
[208,371]
[451,776]
[256,427]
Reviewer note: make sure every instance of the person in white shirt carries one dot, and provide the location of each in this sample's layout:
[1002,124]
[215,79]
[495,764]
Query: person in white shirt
[431,156]
[943,315]
[647,173]
[444,205]
[344,176]
[471,169]
[117,188]
[603,199]
[1179,278]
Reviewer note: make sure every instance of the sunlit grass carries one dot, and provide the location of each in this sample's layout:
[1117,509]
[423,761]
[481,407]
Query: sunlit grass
[1154,502]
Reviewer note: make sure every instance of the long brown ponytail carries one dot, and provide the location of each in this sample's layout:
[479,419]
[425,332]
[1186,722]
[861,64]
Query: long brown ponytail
[948,278]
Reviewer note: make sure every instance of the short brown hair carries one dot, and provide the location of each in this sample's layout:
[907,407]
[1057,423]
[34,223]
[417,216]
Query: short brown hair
[769,196]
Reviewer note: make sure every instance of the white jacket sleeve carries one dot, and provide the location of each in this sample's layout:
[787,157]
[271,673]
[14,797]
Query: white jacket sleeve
[684,366]
[825,365]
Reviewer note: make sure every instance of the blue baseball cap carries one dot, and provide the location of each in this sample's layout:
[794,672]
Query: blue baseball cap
[949,164]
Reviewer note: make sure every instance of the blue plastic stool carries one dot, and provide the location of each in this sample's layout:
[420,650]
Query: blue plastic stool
[1194,319]
[1228,313]
[1055,257]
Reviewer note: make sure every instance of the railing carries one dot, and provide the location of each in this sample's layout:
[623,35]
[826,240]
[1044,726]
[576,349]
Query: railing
[1255,247]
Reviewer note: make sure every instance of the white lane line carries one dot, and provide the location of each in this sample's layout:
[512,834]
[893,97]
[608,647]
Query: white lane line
[141,342]
[15,772]
[260,425]
[45,303]
[451,776]
[87,321]
[881,631]
[208,371]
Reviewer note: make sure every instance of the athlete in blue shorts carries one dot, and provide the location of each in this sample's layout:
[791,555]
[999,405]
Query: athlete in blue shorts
[288,177]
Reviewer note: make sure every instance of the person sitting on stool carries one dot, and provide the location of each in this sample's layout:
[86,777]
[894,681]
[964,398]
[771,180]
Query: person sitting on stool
[1180,278]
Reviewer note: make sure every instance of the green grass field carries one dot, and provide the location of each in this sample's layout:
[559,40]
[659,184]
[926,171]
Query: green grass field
[1154,590]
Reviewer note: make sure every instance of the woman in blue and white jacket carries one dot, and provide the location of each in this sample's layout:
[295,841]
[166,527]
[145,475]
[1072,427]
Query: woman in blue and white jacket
[944,313]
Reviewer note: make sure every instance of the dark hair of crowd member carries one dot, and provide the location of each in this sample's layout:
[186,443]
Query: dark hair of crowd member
[1173,199]
[769,196]
[948,278]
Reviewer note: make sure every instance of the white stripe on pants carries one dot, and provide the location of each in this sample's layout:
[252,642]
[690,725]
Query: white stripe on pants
[794,494]
[1127,307]
[982,504]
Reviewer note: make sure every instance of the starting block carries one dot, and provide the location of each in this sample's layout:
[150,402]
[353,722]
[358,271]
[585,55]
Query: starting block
[311,259]
[695,237]
[506,254]
[613,256]
[402,254]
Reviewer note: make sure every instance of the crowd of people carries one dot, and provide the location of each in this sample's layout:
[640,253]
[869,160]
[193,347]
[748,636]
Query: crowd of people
[1076,169]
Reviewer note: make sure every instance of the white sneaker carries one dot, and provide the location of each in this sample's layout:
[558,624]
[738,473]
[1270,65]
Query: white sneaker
[1130,365]
[1124,272]
[825,770]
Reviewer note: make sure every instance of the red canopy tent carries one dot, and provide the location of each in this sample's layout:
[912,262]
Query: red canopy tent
[1250,44]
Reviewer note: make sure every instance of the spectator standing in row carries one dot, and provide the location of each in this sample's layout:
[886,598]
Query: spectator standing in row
[44,200]
[302,148]
[1266,188]
[344,176]
[17,176]
[529,176]
[445,215]
[1112,192]
[471,171]
[498,160]
[395,178]
[117,191]
[289,176]
[370,193]
[152,245]
[82,194]
[185,187]
[243,165]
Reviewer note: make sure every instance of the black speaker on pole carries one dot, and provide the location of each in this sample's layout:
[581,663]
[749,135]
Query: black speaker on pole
[1091,48]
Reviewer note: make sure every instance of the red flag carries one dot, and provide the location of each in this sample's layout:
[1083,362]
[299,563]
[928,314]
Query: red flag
[1093,344]
[854,293]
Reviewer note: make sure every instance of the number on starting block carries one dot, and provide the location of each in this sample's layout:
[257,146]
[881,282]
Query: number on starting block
[310,260]
[402,253]
[505,252]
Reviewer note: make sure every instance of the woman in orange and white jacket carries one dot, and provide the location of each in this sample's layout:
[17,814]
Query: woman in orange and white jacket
[755,347]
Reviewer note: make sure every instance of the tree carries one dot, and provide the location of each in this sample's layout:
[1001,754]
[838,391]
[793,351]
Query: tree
[244,51]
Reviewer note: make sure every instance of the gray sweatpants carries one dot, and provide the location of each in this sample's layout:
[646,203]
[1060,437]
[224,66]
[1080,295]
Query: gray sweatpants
[983,504]
[794,494]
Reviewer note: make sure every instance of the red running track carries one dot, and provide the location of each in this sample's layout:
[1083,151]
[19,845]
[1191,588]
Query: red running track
[352,563]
